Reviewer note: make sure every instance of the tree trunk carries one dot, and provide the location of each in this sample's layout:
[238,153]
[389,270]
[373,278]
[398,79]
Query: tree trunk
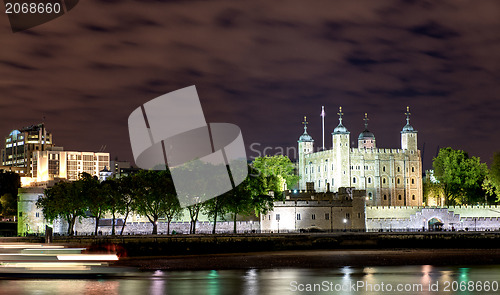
[155,226]
[215,215]
[68,219]
[96,225]
[168,225]
[124,222]
[215,223]
[72,225]
[234,230]
[113,225]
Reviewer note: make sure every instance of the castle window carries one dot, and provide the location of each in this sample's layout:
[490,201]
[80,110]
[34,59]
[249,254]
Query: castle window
[313,217]
[332,166]
[332,181]
[413,197]
[347,215]
[325,167]
[399,180]
[298,216]
[399,169]
[385,197]
[306,171]
[412,169]
[277,217]
[383,180]
[327,216]
[318,169]
[354,180]
[319,183]
[37,214]
[269,217]
[370,196]
[359,215]
[399,197]
[369,180]
[383,168]
[413,181]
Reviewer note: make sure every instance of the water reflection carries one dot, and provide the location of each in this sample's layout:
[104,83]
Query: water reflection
[345,280]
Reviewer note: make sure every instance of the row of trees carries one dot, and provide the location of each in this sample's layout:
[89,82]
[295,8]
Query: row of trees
[152,194]
[465,180]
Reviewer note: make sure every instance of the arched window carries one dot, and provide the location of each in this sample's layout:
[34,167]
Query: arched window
[370,196]
[385,197]
[413,181]
[412,169]
[369,180]
[399,180]
[383,168]
[413,197]
[354,180]
[399,197]
[383,180]
[399,169]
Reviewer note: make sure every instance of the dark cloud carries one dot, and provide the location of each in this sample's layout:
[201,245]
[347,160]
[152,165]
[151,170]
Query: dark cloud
[262,65]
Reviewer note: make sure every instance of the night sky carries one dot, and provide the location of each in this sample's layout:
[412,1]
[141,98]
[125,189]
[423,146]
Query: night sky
[262,65]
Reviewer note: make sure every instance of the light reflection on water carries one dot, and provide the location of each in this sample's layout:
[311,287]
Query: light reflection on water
[266,281]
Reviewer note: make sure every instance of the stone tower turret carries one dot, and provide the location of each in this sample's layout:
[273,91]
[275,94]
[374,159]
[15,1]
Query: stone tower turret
[306,146]
[408,134]
[341,148]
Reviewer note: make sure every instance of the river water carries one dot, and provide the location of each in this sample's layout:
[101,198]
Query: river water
[416,279]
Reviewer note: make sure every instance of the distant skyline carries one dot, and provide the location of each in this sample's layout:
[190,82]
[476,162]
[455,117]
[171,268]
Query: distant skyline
[262,65]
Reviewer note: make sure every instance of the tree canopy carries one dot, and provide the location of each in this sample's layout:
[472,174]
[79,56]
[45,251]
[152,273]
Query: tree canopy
[460,176]
[278,170]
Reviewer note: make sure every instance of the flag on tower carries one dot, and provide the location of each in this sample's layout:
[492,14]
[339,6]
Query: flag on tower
[323,124]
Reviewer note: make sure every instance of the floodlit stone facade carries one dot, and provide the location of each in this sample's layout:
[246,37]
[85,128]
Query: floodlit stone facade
[390,177]
[416,218]
[310,211]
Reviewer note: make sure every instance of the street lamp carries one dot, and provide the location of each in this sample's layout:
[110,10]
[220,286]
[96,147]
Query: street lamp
[345,224]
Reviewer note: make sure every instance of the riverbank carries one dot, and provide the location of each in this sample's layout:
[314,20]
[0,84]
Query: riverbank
[178,245]
[321,259]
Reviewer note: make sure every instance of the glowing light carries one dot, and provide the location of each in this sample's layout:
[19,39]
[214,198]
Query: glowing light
[88,257]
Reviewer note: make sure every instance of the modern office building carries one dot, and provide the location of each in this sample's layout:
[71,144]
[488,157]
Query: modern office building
[20,145]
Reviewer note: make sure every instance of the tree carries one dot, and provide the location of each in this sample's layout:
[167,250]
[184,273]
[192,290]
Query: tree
[62,200]
[153,189]
[461,177]
[110,190]
[280,167]
[96,198]
[125,194]
[214,208]
[491,184]
[9,183]
[173,209]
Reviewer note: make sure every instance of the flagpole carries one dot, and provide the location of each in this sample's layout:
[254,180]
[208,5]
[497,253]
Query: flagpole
[323,123]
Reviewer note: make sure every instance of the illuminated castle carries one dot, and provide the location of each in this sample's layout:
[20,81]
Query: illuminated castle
[390,177]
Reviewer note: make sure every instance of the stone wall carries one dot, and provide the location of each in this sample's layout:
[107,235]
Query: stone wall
[86,226]
[466,218]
